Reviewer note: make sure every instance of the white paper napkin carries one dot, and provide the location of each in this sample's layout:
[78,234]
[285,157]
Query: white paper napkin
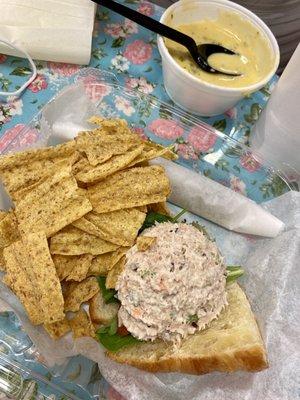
[49,30]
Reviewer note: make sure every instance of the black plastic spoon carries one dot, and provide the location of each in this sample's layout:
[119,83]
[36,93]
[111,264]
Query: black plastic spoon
[200,53]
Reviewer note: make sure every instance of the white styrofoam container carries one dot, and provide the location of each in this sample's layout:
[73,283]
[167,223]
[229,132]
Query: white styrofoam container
[186,90]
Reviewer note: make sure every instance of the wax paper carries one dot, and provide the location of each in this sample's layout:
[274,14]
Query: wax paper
[271,282]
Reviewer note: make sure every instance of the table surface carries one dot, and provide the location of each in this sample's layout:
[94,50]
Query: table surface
[131,53]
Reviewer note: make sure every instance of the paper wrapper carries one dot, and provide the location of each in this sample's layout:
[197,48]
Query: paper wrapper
[49,30]
[217,203]
[271,283]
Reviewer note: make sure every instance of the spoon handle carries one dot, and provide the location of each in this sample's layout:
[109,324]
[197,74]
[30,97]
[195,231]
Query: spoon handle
[150,23]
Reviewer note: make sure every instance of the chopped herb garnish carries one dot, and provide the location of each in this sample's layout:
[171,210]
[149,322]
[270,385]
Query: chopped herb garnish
[234,272]
[107,294]
[145,273]
[193,318]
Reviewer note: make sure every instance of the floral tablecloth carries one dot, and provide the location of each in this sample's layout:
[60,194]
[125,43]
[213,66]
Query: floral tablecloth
[130,52]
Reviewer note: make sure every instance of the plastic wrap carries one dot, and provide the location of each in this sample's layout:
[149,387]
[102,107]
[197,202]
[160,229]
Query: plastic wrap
[271,278]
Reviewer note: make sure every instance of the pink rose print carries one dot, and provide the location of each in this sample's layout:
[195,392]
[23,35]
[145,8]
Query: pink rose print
[140,133]
[248,162]
[124,105]
[94,89]
[114,30]
[138,52]
[186,151]
[38,84]
[166,129]
[146,8]
[63,69]
[238,185]
[130,27]
[13,139]
[201,139]
[139,83]
[112,394]
[231,113]
[13,106]
[3,58]
[124,30]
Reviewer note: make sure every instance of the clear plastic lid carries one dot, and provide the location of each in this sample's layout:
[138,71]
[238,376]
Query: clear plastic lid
[199,146]
[17,382]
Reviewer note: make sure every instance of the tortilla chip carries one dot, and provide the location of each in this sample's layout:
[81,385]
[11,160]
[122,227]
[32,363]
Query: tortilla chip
[153,150]
[52,205]
[63,264]
[110,125]
[72,267]
[72,241]
[8,229]
[81,325]
[78,293]
[3,214]
[32,276]
[18,195]
[20,170]
[58,329]
[144,242]
[96,120]
[161,208]
[2,261]
[103,263]
[81,267]
[100,145]
[120,227]
[9,233]
[130,188]
[113,274]
[90,174]
[142,209]
[87,226]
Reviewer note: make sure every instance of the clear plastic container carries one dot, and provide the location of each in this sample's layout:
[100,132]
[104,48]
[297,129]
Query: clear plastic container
[200,146]
[77,378]
[20,383]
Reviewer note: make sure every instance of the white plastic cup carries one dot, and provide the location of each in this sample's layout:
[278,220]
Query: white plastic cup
[194,94]
[276,135]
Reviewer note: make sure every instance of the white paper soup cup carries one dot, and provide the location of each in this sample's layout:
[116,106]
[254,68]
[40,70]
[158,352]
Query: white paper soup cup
[194,94]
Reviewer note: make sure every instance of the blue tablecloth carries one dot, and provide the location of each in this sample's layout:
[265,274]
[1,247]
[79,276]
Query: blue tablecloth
[131,53]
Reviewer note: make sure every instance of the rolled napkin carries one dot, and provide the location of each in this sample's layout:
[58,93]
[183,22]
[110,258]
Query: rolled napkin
[215,202]
[49,30]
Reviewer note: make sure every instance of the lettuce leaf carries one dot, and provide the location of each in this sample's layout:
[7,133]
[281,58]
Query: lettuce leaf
[234,272]
[153,217]
[107,294]
[111,340]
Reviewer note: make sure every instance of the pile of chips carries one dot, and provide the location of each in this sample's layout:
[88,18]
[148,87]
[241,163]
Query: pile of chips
[78,208]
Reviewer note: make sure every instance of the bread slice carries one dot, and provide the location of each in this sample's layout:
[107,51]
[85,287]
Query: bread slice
[231,342]
[100,312]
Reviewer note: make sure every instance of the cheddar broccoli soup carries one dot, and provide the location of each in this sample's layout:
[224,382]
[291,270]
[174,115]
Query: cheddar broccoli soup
[254,58]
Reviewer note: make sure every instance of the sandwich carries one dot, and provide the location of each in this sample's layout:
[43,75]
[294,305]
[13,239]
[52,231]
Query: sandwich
[177,307]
